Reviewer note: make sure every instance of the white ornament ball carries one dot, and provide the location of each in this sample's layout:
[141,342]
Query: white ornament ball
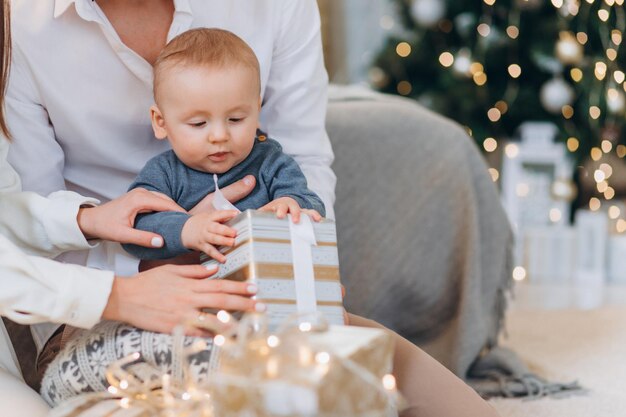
[462,63]
[428,13]
[616,102]
[555,94]
[378,77]
[568,50]
[563,189]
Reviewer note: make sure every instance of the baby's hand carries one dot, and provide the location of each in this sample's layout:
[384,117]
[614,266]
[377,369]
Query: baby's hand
[283,205]
[204,231]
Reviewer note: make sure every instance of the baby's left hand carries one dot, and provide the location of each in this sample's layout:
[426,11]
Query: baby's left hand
[283,205]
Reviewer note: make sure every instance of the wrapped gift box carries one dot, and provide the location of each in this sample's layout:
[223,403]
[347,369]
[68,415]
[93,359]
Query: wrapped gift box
[337,372]
[262,254]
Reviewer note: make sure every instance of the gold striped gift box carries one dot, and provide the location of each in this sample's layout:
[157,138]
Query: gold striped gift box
[262,254]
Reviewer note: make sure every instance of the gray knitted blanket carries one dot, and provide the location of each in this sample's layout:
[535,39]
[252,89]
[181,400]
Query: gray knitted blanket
[424,243]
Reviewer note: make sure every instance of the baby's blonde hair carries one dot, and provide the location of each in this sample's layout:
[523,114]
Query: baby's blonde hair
[212,47]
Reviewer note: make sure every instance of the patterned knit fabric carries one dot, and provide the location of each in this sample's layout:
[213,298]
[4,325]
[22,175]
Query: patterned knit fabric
[81,366]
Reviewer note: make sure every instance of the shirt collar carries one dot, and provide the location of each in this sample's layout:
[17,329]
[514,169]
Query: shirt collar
[60,6]
[182,6]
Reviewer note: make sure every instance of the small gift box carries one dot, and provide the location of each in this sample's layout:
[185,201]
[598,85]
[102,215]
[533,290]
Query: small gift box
[341,371]
[266,253]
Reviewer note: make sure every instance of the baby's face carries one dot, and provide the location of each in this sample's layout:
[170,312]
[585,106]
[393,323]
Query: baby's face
[210,115]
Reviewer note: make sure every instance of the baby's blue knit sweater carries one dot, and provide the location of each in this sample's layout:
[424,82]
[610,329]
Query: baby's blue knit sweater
[277,175]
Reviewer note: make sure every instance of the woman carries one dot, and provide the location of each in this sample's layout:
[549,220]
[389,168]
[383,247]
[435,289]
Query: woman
[87,57]
[34,289]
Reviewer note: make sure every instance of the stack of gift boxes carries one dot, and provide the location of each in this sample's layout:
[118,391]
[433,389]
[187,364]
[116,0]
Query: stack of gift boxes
[336,371]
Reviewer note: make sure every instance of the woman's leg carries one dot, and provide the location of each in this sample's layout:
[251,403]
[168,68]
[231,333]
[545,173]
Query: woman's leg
[429,388]
[18,400]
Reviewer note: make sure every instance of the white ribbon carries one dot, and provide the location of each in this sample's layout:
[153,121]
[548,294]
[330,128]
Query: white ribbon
[302,239]
[219,201]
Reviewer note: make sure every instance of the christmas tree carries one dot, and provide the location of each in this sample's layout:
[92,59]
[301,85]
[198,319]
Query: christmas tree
[493,64]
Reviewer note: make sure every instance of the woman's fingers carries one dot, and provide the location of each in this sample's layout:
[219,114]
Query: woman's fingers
[224,301]
[238,190]
[171,295]
[114,220]
[191,271]
[140,238]
[226,286]
[147,201]
[233,193]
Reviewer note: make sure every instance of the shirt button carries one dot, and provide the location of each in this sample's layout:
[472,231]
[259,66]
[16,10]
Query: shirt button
[262,138]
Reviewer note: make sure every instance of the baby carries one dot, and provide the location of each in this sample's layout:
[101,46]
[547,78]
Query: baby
[207,94]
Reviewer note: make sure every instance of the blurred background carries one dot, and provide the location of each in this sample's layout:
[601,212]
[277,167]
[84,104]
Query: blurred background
[537,84]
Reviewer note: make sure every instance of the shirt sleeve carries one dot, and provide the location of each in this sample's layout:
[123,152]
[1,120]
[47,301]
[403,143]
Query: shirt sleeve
[169,224]
[40,226]
[295,99]
[283,177]
[43,226]
[34,151]
[35,290]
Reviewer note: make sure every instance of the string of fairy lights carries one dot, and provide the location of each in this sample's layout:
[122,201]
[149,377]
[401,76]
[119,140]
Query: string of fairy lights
[575,64]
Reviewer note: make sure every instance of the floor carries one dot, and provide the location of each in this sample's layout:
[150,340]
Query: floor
[568,333]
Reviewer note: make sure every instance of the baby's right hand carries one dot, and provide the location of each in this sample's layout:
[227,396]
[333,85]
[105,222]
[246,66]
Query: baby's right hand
[204,230]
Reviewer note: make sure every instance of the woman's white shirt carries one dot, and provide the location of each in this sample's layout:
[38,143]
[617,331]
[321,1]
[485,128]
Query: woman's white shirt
[78,99]
[34,289]
[38,225]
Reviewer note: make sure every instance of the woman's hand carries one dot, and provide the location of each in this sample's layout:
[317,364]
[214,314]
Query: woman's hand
[164,297]
[233,193]
[115,220]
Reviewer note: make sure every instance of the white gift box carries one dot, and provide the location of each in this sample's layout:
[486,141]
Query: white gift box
[591,253]
[550,254]
[262,254]
[617,259]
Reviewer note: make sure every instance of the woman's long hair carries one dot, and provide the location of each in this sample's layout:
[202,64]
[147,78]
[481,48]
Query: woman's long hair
[5,61]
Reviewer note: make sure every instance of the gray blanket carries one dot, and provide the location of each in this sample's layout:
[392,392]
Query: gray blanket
[424,243]
[423,240]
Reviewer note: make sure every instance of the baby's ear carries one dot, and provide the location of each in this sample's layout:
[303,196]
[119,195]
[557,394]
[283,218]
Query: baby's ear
[158,123]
